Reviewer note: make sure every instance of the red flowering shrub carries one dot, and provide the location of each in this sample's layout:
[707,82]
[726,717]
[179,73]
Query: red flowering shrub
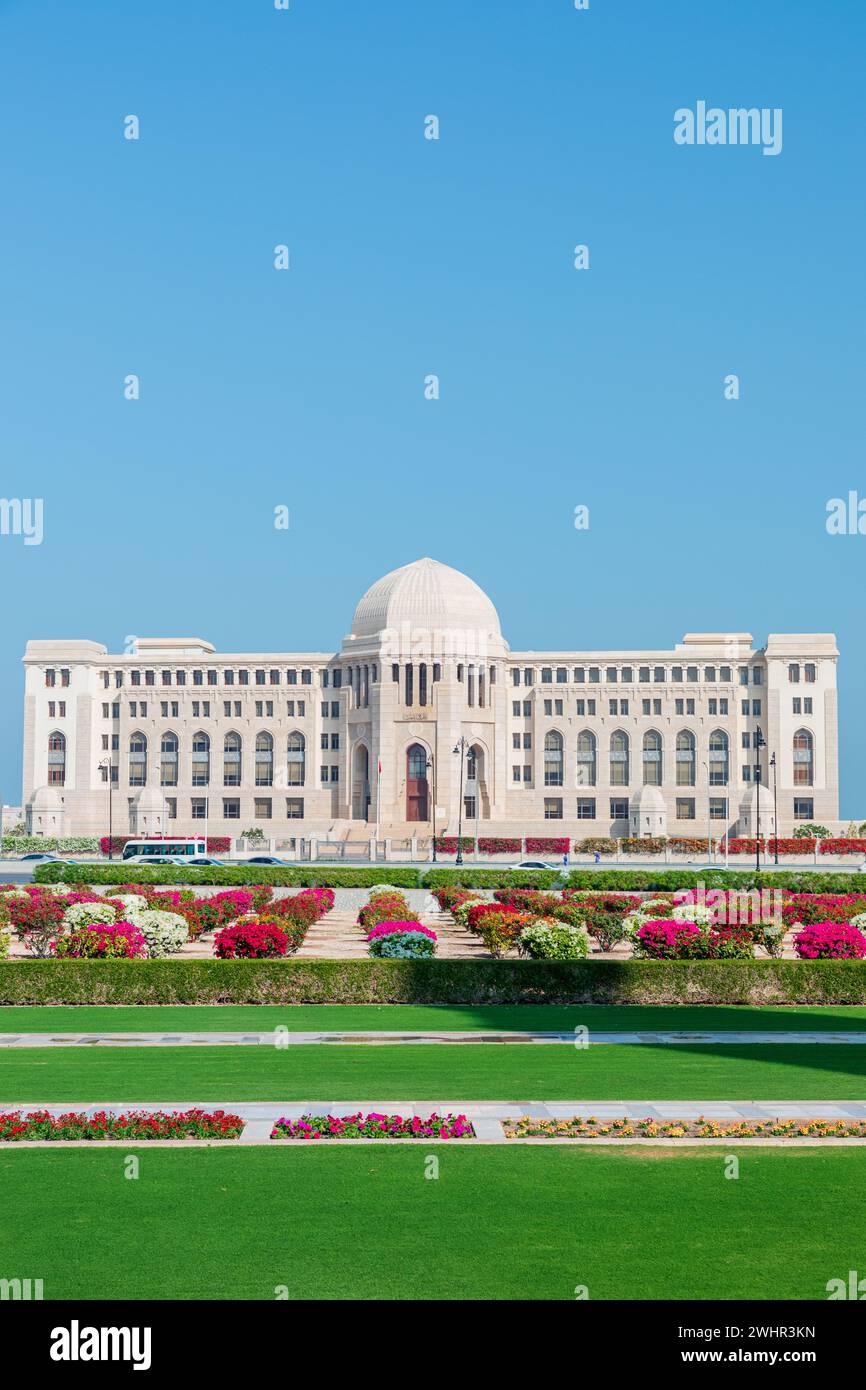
[543,845]
[37,919]
[843,845]
[476,915]
[492,845]
[791,846]
[688,844]
[621,903]
[830,941]
[447,844]
[499,928]
[256,940]
[808,908]
[450,897]
[384,906]
[118,941]
[643,844]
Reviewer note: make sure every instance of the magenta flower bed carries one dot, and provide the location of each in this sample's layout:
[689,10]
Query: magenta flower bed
[389,928]
[830,941]
[131,1124]
[251,940]
[102,941]
[373,1126]
[667,939]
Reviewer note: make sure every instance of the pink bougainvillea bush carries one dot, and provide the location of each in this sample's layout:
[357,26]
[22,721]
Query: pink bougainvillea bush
[254,940]
[830,941]
[389,928]
[668,939]
[373,1126]
[101,941]
[808,908]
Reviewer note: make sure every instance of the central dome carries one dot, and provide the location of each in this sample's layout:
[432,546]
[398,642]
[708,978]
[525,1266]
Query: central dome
[426,596]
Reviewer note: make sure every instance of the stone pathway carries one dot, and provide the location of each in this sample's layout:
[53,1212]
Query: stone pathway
[486,1116]
[337,936]
[373,1038]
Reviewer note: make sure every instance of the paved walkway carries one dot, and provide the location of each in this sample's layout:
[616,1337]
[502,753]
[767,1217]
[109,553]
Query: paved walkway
[372,1038]
[486,1116]
[337,936]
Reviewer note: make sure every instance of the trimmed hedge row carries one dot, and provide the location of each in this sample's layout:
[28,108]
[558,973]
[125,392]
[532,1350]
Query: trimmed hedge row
[432,982]
[309,877]
[797,880]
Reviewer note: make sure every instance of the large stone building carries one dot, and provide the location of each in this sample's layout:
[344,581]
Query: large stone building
[312,743]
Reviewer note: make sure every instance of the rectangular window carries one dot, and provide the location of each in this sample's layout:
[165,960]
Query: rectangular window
[590,706]
[685,808]
[295,807]
[646,706]
[709,673]
[553,808]
[515,740]
[586,808]
[527,708]
[231,808]
[548,707]
[723,706]
[618,809]
[515,708]
[611,675]
[744,708]
[713,705]
[262,806]
[757,676]
[756,707]
[198,806]
[679,706]
[796,705]
[747,773]
[804,808]
[527,773]
[807,705]
[794,673]
[690,706]
[657,707]
[718,808]
[627,675]
[515,772]
[809,670]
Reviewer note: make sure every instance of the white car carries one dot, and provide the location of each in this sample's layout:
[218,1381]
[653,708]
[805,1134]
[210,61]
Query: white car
[535,864]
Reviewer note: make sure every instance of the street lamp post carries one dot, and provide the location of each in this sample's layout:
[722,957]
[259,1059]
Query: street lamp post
[759,744]
[461,746]
[107,764]
[431,763]
[775,811]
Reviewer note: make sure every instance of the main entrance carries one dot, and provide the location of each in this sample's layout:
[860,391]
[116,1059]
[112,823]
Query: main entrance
[416,783]
[361,784]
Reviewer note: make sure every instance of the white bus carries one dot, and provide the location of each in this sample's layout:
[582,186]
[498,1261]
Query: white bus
[192,848]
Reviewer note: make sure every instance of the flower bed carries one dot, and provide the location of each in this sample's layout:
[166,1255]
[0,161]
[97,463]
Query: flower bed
[842,846]
[257,939]
[830,941]
[590,1127]
[402,941]
[384,906]
[128,1125]
[101,942]
[546,845]
[373,1126]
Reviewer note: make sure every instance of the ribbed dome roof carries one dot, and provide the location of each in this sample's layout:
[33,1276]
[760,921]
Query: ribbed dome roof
[426,595]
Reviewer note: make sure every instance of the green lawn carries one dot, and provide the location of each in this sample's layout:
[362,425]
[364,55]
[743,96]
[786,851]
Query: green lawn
[470,1017]
[499,1224]
[479,1071]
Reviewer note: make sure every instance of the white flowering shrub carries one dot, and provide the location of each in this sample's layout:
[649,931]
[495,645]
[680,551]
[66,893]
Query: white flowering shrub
[859,921]
[698,913]
[549,939]
[132,902]
[163,932]
[84,914]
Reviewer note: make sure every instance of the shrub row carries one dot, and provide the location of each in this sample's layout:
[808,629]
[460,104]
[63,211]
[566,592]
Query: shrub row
[309,877]
[432,982]
[799,880]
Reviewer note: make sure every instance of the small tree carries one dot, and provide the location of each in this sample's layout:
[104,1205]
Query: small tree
[811,831]
[256,836]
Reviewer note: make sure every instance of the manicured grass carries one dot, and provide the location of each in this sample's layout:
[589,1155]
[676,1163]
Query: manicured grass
[520,1072]
[497,1224]
[235,1018]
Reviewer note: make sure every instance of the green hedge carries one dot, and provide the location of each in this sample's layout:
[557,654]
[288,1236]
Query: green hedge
[432,982]
[309,877]
[798,880]
[469,877]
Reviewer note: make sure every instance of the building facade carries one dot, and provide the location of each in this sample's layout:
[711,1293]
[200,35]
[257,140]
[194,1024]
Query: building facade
[423,710]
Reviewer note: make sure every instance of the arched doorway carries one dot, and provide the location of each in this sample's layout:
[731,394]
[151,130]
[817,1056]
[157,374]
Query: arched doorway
[361,783]
[416,783]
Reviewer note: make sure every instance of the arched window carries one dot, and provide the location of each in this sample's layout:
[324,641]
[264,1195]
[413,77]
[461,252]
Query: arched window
[685,758]
[137,760]
[200,760]
[619,769]
[296,768]
[264,760]
[718,758]
[652,758]
[804,758]
[56,759]
[168,760]
[416,765]
[553,759]
[232,746]
[587,759]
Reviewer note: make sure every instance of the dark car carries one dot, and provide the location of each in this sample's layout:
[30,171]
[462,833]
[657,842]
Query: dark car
[265,859]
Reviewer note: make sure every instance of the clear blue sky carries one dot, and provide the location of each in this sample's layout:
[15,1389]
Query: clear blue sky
[410,257]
